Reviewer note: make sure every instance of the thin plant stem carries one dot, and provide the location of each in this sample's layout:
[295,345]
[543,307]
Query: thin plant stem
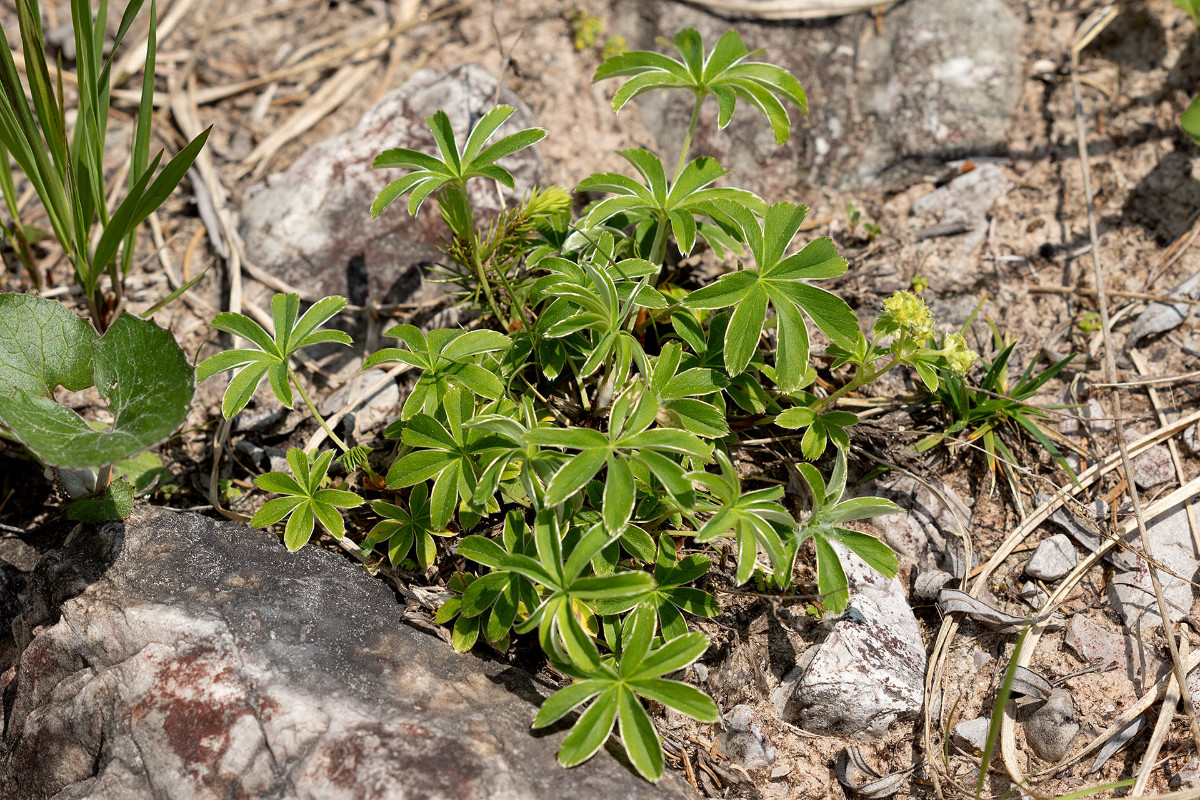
[865,374]
[483,281]
[316,414]
[687,140]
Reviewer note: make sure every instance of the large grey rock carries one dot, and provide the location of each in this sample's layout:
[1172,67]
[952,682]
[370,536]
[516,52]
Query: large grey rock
[178,657]
[311,225]
[1132,591]
[943,80]
[869,673]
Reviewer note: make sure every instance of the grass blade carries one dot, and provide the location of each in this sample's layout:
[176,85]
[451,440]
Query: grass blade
[989,750]
[141,132]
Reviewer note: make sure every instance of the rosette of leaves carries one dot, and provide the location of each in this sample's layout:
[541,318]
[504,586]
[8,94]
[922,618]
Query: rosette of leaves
[674,204]
[449,452]
[454,167]
[683,393]
[614,686]
[596,301]
[729,72]
[819,429]
[565,586]
[273,358]
[831,509]
[514,456]
[305,501]
[628,443]
[707,350]
[446,358]
[779,282]
[406,529]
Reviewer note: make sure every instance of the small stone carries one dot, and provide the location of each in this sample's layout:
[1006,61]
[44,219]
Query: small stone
[1050,729]
[1189,776]
[1033,594]
[1153,467]
[869,673]
[1191,439]
[966,199]
[1043,66]
[17,553]
[743,739]
[1093,644]
[1053,559]
[1092,414]
[981,659]
[972,734]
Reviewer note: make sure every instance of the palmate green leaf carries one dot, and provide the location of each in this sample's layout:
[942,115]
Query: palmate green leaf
[831,577]
[452,167]
[137,368]
[781,283]
[756,519]
[447,358]
[728,72]
[672,593]
[304,502]
[829,509]
[676,204]
[614,687]
[406,530]
[272,359]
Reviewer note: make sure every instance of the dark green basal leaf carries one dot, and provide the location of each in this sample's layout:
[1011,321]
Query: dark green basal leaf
[136,366]
[43,345]
[115,505]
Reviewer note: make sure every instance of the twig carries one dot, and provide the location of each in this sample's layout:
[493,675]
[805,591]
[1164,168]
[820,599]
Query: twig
[1155,298]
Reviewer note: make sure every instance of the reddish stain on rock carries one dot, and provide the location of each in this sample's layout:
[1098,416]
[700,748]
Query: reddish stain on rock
[198,708]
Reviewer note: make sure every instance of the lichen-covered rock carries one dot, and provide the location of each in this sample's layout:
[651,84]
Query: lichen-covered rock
[869,673]
[197,659]
[311,225]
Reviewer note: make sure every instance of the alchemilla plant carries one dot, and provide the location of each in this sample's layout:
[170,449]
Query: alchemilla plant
[582,437]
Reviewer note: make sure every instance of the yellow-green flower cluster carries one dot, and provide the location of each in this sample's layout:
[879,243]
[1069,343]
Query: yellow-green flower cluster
[959,357]
[905,313]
